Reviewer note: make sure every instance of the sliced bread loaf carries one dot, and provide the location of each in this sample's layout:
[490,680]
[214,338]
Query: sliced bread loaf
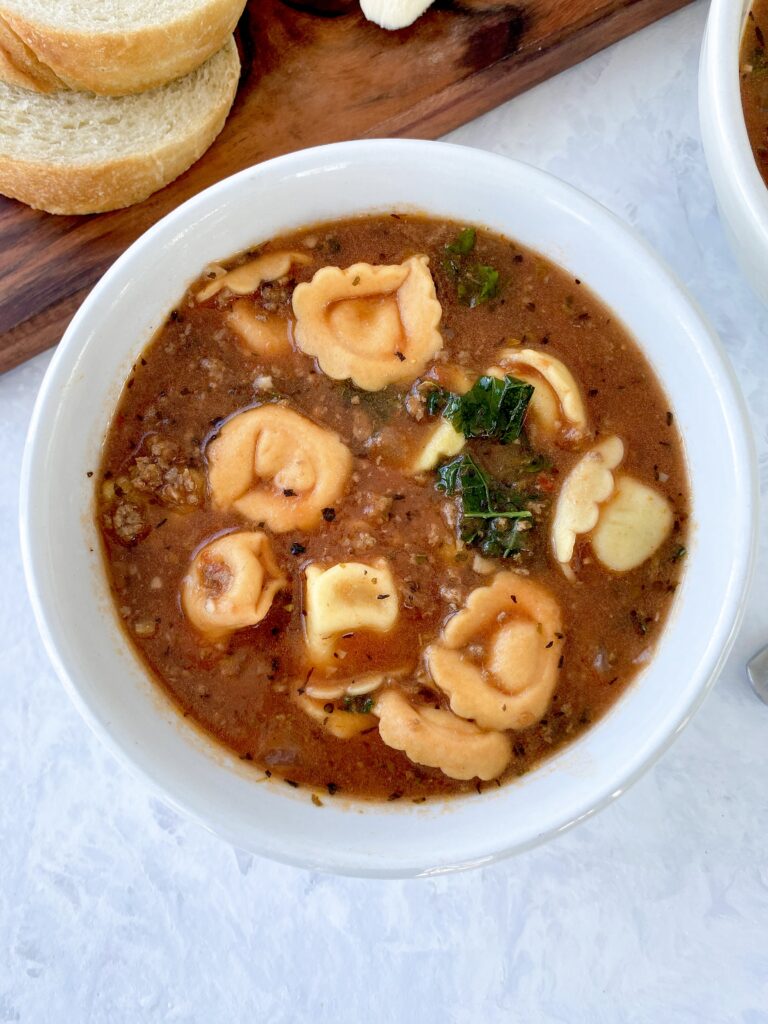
[110,47]
[75,152]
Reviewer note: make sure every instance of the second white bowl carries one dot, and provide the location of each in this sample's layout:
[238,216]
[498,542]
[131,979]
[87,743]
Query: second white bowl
[742,195]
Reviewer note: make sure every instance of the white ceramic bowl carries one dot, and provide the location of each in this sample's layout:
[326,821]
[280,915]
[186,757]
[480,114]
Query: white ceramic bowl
[68,585]
[742,196]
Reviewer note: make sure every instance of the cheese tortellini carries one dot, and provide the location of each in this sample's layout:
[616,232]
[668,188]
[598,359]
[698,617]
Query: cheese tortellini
[231,583]
[443,442]
[336,721]
[262,333]
[497,658]
[627,521]
[586,487]
[275,466]
[245,279]
[377,325]
[345,598]
[316,699]
[331,688]
[437,738]
[633,524]
[556,411]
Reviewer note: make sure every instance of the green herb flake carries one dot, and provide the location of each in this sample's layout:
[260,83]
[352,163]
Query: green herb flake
[758,63]
[536,464]
[678,553]
[359,705]
[640,624]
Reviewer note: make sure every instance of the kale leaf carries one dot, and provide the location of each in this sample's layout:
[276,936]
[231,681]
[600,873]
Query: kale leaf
[463,244]
[491,513]
[476,282]
[380,405]
[436,400]
[492,408]
[477,285]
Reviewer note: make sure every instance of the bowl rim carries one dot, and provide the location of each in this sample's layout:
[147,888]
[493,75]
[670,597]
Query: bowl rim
[724,130]
[65,359]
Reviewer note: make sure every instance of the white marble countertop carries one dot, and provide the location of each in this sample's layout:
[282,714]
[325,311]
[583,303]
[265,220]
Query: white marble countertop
[114,909]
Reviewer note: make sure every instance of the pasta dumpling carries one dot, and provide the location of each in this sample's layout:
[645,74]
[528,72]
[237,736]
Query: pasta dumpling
[275,466]
[497,658]
[453,376]
[437,738]
[339,723]
[316,699]
[345,598]
[633,524]
[231,583]
[627,520]
[587,486]
[330,688]
[556,410]
[443,442]
[262,333]
[245,279]
[377,325]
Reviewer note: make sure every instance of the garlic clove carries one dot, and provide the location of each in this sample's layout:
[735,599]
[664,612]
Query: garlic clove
[394,14]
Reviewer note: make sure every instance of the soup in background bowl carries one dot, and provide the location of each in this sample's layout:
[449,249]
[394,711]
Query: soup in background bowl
[676,379]
[753,70]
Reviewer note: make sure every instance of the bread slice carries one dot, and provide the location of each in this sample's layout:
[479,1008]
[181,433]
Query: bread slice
[75,152]
[19,65]
[110,47]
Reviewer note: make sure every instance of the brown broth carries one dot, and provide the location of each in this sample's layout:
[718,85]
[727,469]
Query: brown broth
[753,69]
[195,373]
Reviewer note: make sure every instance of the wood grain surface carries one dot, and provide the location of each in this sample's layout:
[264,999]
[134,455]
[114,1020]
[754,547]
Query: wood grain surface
[311,77]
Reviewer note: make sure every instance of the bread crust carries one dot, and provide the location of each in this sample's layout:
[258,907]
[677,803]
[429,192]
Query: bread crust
[19,65]
[116,63]
[103,186]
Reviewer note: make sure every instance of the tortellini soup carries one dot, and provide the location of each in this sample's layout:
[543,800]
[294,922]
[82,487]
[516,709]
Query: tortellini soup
[753,72]
[393,508]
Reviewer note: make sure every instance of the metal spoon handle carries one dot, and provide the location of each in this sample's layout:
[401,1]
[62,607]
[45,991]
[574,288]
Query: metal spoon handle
[757,670]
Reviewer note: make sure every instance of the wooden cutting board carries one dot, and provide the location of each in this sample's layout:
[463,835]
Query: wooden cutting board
[310,78]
